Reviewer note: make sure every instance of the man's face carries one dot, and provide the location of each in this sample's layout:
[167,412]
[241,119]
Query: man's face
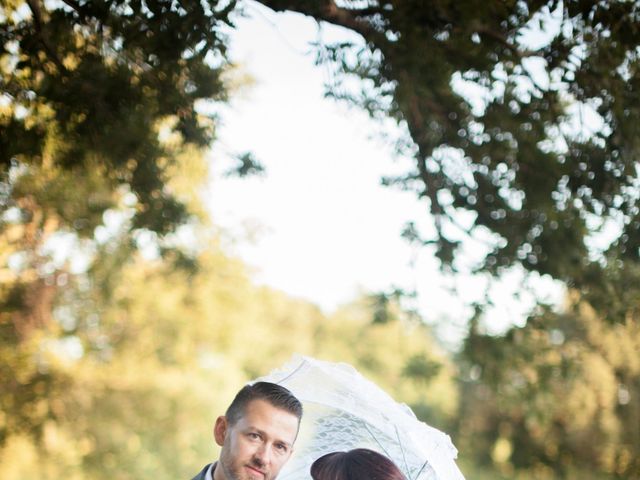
[258,445]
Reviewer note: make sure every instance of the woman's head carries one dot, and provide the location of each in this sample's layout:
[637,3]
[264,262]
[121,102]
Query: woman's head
[358,464]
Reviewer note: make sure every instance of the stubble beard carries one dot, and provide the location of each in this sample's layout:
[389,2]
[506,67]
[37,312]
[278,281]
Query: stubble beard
[236,472]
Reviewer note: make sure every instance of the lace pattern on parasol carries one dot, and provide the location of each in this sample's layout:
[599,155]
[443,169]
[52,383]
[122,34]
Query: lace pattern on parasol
[343,410]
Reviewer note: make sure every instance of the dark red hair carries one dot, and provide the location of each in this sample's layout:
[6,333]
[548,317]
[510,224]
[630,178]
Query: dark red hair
[358,464]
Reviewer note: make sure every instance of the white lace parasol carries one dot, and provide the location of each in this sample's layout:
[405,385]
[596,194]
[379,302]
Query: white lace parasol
[343,410]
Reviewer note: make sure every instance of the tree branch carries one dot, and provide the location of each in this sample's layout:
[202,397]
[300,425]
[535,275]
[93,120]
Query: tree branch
[486,32]
[34,6]
[75,5]
[326,11]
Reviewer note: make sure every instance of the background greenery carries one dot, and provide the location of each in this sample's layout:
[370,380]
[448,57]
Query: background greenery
[126,328]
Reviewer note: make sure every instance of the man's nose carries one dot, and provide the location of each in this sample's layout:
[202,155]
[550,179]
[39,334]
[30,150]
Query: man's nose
[263,454]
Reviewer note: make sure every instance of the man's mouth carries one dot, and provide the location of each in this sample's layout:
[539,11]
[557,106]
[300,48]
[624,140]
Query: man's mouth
[254,470]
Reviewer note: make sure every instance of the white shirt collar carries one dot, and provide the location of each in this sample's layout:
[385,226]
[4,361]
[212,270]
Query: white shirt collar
[209,474]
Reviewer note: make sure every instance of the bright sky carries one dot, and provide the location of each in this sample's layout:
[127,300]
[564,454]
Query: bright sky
[319,225]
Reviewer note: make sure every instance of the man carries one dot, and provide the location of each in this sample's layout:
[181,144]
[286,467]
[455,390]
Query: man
[256,434]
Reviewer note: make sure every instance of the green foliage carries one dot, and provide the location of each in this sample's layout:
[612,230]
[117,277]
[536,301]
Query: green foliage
[519,116]
[87,87]
[421,368]
[162,354]
[247,165]
[548,389]
[98,115]
[100,144]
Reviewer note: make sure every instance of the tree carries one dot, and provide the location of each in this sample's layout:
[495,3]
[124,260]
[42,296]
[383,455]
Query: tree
[519,116]
[533,165]
[99,106]
[87,87]
[557,397]
[155,360]
[99,120]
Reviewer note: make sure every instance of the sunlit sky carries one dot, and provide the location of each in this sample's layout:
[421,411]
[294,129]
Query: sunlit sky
[318,225]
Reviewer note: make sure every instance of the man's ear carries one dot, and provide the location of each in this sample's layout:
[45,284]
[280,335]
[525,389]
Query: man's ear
[220,430]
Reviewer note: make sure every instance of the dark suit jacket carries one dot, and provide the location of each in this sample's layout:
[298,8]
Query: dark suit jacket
[200,476]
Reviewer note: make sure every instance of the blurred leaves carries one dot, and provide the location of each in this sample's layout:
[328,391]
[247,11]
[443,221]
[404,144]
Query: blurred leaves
[163,353]
[553,386]
[247,165]
[99,88]
[519,118]
[421,368]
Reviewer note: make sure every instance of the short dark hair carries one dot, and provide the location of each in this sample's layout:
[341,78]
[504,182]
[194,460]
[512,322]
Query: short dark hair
[275,394]
[357,464]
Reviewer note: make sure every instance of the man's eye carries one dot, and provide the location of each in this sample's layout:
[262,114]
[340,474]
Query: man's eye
[281,448]
[253,436]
